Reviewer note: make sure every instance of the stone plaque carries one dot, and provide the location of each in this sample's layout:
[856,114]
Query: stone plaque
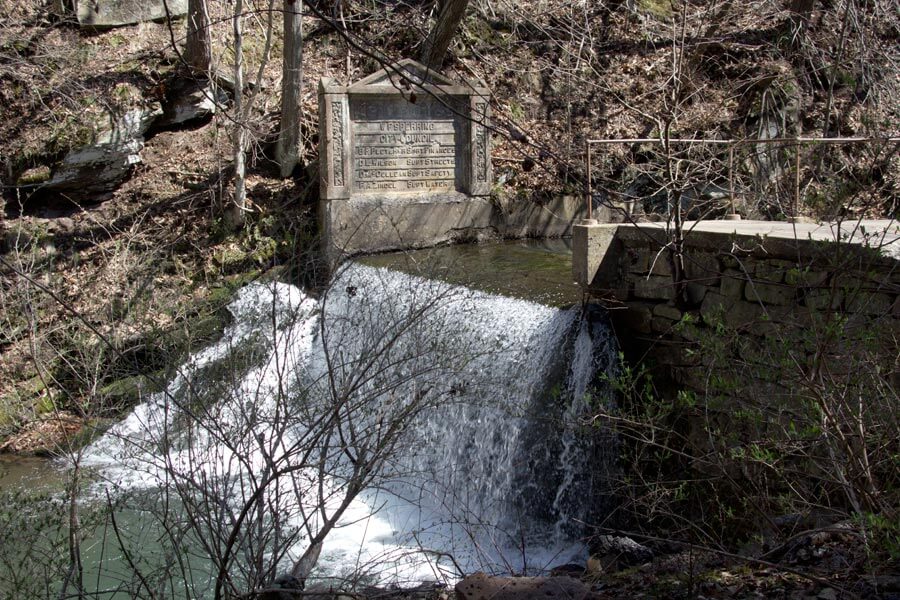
[401,152]
[411,150]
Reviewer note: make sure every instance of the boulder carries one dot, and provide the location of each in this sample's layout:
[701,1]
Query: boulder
[115,13]
[611,553]
[101,166]
[484,587]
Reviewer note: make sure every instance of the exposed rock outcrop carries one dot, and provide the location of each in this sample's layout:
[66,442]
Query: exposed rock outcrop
[115,13]
[101,166]
[190,101]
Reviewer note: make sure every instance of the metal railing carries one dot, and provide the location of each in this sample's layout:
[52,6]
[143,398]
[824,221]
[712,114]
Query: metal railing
[796,142]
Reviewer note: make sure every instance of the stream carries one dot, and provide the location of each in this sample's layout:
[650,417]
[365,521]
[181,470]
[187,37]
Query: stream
[451,384]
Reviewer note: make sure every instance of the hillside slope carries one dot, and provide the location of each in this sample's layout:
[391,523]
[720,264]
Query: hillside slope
[144,262]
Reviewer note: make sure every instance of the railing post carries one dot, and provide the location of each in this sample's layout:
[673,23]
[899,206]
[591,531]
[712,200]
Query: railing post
[733,215]
[590,191]
[796,216]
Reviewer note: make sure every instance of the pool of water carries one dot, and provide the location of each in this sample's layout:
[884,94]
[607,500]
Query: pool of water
[31,472]
[535,270]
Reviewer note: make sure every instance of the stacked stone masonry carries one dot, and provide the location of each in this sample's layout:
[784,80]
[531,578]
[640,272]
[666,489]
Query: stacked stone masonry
[756,291]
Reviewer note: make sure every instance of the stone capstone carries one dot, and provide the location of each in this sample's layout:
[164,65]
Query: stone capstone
[115,13]
[484,587]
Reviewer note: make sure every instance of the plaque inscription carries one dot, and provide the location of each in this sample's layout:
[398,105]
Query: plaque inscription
[412,150]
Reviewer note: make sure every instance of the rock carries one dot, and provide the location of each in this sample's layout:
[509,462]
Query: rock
[655,287]
[115,13]
[732,283]
[60,225]
[15,237]
[567,570]
[285,587]
[637,317]
[190,100]
[667,311]
[770,293]
[695,292]
[102,166]
[884,583]
[428,590]
[611,552]
[484,587]
[95,169]
[34,176]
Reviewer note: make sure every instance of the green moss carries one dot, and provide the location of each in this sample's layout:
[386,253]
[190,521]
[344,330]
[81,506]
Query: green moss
[35,175]
[516,111]
[127,390]
[44,404]
[115,40]
[661,9]
[90,431]
[478,33]
[69,133]
[845,79]
[231,259]
[7,414]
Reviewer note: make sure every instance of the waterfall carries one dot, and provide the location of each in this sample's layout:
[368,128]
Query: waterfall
[467,409]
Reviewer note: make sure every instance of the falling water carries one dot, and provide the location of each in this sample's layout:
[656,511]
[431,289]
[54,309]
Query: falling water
[493,468]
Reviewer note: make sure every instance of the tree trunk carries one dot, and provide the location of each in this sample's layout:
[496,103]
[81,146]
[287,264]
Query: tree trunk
[435,47]
[288,149]
[197,49]
[235,213]
[801,10]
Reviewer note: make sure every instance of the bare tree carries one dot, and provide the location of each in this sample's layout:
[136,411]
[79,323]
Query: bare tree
[801,10]
[291,86]
[438,41]
[243,106]
[198,47]
[236,210]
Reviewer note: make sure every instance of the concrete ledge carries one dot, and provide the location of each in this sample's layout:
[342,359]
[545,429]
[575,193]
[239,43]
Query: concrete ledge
[592,246]
[600,250]
[377,224]
[368,224]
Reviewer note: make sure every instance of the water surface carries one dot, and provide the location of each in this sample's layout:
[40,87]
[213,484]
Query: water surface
[535,270]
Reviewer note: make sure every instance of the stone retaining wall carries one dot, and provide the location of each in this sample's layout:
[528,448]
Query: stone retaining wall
[744,304]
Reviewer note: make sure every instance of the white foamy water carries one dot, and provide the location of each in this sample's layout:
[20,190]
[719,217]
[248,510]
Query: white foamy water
[459,409]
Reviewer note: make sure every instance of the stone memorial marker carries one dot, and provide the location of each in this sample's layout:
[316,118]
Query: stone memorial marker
[404,161]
